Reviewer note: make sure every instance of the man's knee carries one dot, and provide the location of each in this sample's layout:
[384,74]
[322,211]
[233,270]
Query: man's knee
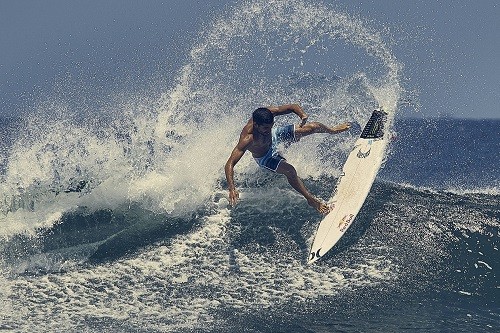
[287,169]
[308,128]
[314,125]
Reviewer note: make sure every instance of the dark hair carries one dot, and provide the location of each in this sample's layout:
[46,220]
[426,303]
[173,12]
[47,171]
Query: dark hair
[263,116]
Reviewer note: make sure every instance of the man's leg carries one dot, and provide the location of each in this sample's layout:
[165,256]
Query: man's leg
[315,127]
[291,174]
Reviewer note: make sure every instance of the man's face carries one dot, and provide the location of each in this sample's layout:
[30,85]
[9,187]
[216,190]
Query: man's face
[264,129]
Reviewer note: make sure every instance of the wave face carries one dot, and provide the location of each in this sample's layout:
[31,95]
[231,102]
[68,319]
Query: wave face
[154,150]
[120,222]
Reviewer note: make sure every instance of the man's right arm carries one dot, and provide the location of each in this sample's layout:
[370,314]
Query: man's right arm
[236,155]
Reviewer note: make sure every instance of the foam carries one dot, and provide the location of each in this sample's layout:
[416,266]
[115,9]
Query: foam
[481,190]
[458,190]
[184,283]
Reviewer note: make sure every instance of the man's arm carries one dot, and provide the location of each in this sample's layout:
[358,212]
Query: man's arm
[236,155]
[290,108]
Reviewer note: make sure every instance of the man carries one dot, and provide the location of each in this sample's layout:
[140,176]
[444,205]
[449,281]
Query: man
[261,139]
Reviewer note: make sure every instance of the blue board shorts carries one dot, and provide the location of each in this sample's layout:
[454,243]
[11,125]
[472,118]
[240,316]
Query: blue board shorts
[272,159]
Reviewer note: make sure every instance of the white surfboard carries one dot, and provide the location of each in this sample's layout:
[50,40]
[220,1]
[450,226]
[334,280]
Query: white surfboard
[353,186]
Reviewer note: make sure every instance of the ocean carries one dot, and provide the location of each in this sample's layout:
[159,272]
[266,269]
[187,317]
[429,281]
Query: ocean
[118,221]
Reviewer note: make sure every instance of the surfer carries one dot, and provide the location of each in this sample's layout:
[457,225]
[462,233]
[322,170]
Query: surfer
[261,138]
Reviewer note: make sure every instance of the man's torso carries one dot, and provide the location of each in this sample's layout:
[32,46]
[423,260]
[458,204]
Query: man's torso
[258,144]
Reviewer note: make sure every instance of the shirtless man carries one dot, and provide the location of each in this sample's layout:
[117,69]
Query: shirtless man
[261,139]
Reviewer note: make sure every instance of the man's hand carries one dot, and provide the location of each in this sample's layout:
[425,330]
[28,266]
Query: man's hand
[303,120]
[233,197]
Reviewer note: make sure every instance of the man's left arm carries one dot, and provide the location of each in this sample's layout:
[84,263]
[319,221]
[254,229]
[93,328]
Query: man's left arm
[290,108]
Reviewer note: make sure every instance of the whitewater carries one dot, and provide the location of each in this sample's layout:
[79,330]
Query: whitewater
[119,222]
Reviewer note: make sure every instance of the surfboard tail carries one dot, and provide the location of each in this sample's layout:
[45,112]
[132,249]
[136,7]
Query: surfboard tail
[314,256]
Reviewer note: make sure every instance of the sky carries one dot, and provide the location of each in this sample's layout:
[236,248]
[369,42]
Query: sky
[450,49]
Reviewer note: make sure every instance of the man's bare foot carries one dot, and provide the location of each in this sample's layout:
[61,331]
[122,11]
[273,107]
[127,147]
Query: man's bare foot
[341,128]
[319,206]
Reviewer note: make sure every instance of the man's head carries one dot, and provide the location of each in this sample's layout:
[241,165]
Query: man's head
[262,116]
[263,120]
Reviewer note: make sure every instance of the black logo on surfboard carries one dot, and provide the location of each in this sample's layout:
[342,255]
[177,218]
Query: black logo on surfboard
[315,255]
[363,155]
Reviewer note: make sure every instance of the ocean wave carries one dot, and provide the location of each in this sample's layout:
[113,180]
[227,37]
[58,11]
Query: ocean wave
[123,223]
[490,191]
[167,152]
[253,256]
